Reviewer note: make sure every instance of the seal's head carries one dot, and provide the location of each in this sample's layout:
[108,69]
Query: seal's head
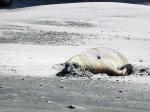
[69,68]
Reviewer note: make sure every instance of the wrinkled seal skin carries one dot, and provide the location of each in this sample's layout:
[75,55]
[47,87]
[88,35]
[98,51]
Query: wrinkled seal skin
[99,60]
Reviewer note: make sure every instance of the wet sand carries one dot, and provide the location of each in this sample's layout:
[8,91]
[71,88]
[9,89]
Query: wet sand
[28,94]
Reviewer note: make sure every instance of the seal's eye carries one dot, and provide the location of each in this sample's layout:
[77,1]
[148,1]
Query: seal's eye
[86,69]
[75,65]
[98,57]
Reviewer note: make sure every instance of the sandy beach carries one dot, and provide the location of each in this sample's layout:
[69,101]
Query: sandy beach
[28,94]
[35,40]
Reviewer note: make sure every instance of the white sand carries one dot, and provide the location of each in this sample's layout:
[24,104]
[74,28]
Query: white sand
[123,27]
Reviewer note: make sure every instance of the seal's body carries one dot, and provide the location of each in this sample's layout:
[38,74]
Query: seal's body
[100,60]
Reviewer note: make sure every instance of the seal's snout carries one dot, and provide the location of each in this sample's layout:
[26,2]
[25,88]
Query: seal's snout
[129,68]
[67,69]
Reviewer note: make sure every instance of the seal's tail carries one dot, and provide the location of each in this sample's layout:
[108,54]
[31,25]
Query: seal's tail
[129,68]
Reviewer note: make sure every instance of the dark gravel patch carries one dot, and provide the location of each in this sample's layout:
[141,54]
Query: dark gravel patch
[25,35]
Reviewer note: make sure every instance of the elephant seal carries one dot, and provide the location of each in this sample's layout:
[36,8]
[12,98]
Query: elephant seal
[98,60]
